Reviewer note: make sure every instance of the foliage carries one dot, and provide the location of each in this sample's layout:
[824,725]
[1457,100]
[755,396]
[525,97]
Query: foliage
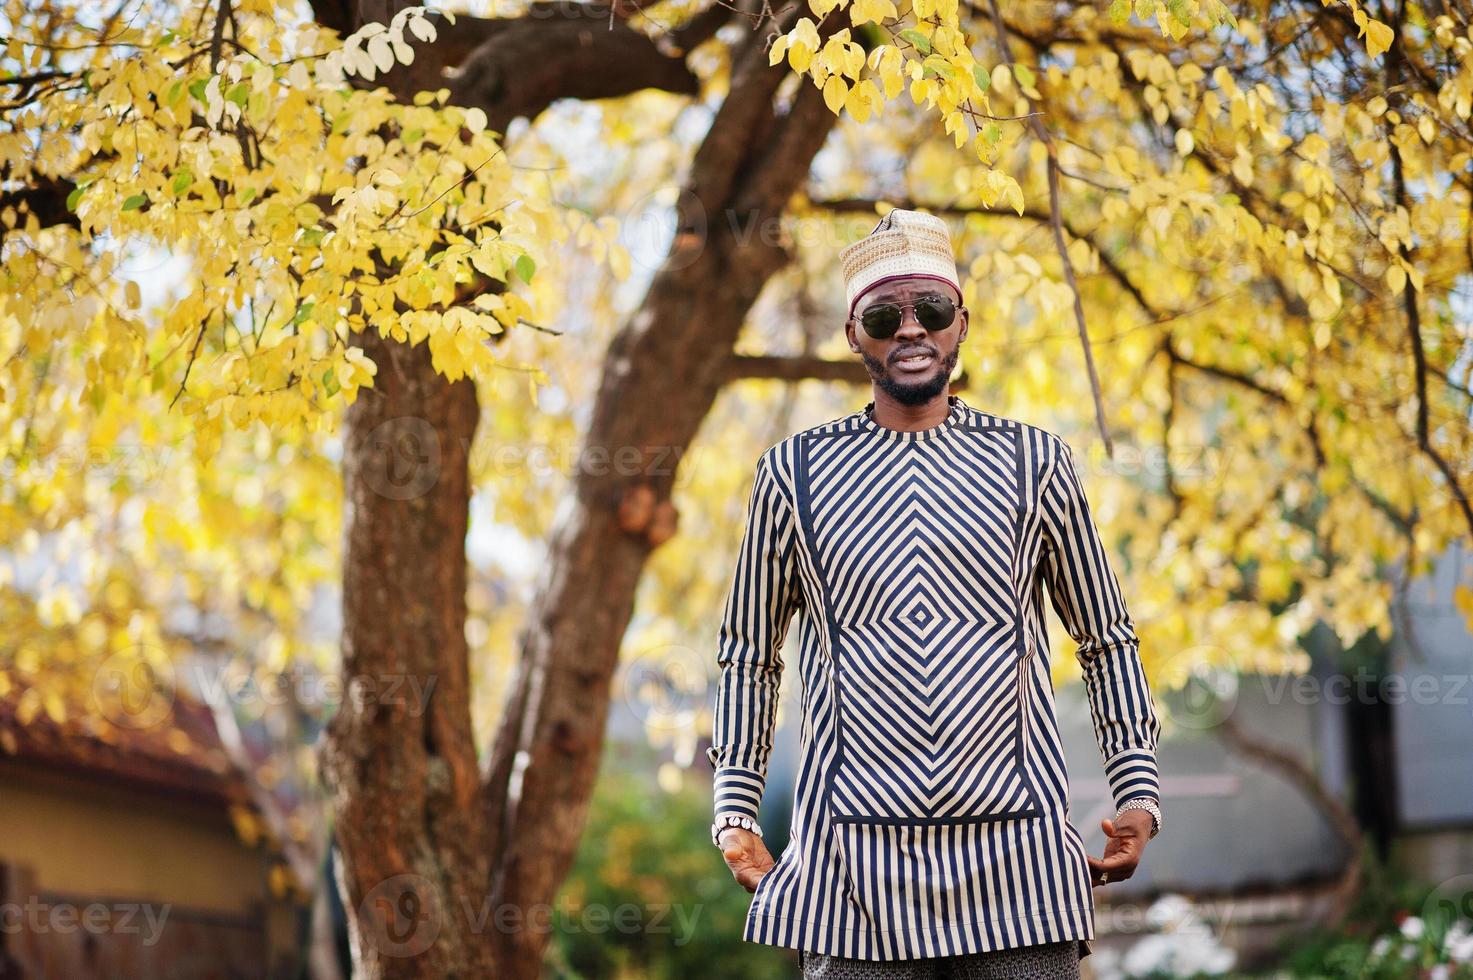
[649,849]
[1396,930]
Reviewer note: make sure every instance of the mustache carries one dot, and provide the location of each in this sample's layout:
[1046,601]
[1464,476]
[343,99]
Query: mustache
[907,352]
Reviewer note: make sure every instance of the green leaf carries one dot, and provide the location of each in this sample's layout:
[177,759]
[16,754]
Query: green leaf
[983,77]
[238,93]
[1119,12]
[135,202]
[300,317]
[1024,74]
[939,65]
[992,132]
[525,267]
[915,37]
[413,136]
[330,383]
[175,91]
[247,196]
[75,197]
[182,179]
[197,88]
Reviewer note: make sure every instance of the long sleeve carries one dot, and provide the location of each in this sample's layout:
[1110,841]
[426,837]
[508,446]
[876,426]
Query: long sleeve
[763,596]
[1086,594]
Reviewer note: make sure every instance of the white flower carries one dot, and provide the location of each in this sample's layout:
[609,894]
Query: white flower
[1413,927]
[1440,972]
[1168,910]
[1379,947]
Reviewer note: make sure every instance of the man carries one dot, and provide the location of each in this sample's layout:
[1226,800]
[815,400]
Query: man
[930,834]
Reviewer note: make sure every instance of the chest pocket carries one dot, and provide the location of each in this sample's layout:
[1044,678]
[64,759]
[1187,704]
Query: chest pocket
[926,632]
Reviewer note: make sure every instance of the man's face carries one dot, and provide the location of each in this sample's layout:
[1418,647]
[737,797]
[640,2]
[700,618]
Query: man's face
[914,365]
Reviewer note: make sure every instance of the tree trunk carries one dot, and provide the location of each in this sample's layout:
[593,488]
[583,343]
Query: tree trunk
[400,758]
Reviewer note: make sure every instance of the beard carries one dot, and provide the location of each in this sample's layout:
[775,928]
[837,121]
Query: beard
[913,392]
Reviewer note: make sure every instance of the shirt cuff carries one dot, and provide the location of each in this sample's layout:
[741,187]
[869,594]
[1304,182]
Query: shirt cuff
[738,790]
[1133,774]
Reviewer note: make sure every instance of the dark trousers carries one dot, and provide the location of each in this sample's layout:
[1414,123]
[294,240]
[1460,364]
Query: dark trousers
[1049,961]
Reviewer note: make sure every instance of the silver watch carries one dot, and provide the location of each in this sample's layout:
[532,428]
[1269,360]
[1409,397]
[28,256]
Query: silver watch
[1147,804]
[725,820]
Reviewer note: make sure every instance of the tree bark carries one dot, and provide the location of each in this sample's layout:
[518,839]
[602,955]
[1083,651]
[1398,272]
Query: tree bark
[400,758]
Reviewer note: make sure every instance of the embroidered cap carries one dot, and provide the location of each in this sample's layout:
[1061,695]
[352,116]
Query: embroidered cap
[904,244]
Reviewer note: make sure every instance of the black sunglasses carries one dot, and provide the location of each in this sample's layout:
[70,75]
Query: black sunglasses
[932,312]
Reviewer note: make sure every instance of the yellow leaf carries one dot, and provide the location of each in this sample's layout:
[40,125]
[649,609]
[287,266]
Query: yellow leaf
[1396,278]
[834,91]
[779,48]
[1378,37]
[800,56]
[1013,194]
[131,292]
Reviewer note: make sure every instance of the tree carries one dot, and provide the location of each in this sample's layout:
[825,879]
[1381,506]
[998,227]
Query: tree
[1235,248]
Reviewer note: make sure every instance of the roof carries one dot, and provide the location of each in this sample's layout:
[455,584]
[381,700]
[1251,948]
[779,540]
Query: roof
[179,753]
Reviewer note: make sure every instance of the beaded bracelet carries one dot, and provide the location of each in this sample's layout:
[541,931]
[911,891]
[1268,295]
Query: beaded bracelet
[733,820]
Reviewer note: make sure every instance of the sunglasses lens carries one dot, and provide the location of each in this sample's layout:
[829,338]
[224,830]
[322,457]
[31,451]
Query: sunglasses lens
[881,321]
[936,314]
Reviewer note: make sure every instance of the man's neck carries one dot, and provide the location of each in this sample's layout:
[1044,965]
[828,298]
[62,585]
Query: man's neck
[910,418]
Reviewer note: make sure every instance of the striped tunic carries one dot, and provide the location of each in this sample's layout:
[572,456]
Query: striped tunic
[931,811]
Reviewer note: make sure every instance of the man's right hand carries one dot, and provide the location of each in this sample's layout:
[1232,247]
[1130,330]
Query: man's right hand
[745,855]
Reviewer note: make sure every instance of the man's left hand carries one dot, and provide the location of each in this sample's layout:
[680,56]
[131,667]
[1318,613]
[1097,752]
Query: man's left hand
[1127,837]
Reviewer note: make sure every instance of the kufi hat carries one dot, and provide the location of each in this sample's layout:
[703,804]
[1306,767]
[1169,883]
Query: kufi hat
[903,244]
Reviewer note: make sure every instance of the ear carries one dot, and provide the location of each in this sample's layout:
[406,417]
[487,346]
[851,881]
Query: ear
[849,335]
[966,320]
